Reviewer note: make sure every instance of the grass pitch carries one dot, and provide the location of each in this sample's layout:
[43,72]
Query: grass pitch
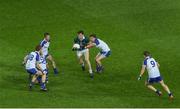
[128,26]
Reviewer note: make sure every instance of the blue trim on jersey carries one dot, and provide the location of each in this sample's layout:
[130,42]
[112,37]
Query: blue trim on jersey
[96,41]
[107,54]
[43,43]
[154,80]
[145,61]
[46,56]
[37,56]
[32,71]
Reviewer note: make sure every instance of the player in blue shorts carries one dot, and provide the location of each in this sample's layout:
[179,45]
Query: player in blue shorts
[45,43]
[104,51]
[153,74]
[33,67]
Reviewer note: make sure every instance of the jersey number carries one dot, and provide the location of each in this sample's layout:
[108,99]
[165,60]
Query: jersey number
[153,63]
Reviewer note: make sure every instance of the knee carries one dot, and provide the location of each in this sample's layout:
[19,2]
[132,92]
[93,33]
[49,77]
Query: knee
[146,84]
[50,58]
[97,60]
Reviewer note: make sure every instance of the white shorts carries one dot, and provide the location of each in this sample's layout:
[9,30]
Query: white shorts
[81,53]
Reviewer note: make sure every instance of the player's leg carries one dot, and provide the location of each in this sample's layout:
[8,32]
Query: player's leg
[34,72]
[86,55]
[43,83]
[50,58]
[166,88]
[81,61]
[99,66]
[47,66]
[149,85]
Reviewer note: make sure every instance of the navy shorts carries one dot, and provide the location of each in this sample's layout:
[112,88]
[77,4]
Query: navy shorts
[106,54]
[32,71]
[154,80]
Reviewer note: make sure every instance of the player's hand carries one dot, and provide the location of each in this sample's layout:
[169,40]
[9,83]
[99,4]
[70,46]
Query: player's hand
[139,78]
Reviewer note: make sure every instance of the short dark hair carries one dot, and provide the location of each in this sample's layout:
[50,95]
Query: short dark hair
[45,34]
[80,32]
[93,35]
[38,48]
[146,53]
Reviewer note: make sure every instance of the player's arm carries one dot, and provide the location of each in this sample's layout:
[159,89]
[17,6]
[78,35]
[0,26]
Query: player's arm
[90,45]
[25,60]
[143,68]
[74,42]
[158,64]
[142,72]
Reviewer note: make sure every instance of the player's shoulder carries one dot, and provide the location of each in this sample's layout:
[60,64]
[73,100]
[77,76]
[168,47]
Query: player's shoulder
[97,41]
[43,42]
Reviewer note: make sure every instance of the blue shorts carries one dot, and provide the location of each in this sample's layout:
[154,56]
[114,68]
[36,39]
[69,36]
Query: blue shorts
[154,80]
[105,54]
[32,71]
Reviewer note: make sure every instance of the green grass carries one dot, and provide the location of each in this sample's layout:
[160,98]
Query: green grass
[128,26]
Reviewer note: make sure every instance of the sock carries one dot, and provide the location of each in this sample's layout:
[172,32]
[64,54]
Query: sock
[39,79]
[47,77]
[55,71]
[90,71]
[43,85]
[170,94]
[157,91]
[82,64]
[31,84]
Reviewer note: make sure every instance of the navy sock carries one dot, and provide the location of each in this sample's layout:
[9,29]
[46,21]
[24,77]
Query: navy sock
[43,85]
[55,71]
[170,94]
[157,91]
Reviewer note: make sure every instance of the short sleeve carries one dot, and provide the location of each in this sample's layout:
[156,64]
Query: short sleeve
[42,43]
[96,42]
[37,57]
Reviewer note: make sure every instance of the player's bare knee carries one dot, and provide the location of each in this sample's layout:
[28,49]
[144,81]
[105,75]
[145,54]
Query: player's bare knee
[97,60]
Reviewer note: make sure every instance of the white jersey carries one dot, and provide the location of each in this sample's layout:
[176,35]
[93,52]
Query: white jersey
[42,63]
[152,67]
[102,45]
[45,46]
[33,57]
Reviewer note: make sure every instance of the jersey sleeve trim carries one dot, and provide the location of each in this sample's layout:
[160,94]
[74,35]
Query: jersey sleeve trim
[37,57]
[96,42]
[43,43]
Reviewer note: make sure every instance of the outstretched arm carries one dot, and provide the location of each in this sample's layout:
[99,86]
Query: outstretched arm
[90,45]
[25,60]
[142,72]
[158,64]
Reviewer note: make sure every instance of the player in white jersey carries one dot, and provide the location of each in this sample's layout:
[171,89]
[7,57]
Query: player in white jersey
[104,51]
[45,48]
[153,74]
[33,67]
[43,65]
